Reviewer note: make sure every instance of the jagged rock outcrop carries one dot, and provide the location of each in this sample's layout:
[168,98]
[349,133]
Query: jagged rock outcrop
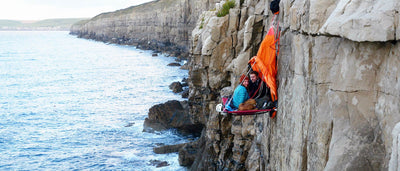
[339,91]
[168,148]
[176,87]
[356,20]
[171,114]
[163,25]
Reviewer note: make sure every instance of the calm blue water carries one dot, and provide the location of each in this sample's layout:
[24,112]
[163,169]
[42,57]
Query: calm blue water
[75,104]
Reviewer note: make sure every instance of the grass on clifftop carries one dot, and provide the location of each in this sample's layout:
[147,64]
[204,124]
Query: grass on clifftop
[225,8]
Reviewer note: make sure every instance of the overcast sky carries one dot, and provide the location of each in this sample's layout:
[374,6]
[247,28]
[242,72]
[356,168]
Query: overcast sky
[45,9]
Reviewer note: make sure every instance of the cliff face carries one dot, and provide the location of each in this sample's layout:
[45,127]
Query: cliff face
[338,87]
[163,25]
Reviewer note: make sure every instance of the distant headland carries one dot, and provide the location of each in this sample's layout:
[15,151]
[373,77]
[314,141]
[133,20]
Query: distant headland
[59,24]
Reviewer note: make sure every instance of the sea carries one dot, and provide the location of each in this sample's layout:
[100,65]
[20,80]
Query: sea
[75,104]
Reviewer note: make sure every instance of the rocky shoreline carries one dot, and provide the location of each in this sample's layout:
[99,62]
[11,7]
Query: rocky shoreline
[174,114]
[156,46]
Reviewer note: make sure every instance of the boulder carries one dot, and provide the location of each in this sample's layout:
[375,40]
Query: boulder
[171,114]
[176,87]
[185,93]
[184,82]
[159,163]
[168,148]
[174,64]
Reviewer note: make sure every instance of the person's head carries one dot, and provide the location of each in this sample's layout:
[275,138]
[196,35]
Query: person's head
[253,76]
[244,80]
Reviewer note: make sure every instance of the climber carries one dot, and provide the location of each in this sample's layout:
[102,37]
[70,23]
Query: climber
[258,90]
[240,94]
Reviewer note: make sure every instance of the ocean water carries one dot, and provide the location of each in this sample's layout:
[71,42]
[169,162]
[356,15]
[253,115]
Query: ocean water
[75,104]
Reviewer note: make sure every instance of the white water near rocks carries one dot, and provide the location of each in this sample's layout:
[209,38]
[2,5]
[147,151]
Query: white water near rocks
[69,103]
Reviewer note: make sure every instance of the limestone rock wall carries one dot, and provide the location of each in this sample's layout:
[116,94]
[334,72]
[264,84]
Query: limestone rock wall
[395,158]
[163,25]
[339,91]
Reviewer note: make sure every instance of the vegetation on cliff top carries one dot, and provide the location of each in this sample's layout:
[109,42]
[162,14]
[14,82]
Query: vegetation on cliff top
[225,8]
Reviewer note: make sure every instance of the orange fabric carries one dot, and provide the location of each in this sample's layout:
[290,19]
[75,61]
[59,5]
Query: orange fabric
[265,62]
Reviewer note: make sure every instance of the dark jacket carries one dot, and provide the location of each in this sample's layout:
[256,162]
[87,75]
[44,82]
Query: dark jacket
[262,91]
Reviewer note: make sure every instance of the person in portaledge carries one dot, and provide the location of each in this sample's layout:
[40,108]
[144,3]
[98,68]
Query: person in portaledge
[240,94]
[258,90]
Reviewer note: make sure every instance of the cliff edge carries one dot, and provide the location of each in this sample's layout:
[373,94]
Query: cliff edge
[162,25]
